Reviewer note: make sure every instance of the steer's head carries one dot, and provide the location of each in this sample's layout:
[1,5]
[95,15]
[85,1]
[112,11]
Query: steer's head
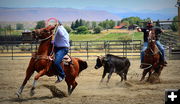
[99,62]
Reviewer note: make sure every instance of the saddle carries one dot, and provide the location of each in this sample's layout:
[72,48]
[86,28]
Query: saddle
[67,60]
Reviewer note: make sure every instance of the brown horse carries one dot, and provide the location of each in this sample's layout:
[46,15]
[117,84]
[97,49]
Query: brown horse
[42,63]
[152,61]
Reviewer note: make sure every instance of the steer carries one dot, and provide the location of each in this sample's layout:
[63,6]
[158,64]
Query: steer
[112,63]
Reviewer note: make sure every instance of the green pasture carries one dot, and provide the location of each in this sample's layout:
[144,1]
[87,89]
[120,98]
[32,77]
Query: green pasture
[109,36]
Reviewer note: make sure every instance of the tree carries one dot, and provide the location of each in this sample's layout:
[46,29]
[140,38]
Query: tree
[68,29]
[73,26]
[76,24]
[40,24]
[97,29]
[82,30]
[94,24]
[157,23]
[19,26]
[132,21]
[107,24]
[118,23]
[111,24]
[174,25]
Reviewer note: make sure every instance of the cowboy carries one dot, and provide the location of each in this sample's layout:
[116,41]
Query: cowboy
[61,45]
[158,32]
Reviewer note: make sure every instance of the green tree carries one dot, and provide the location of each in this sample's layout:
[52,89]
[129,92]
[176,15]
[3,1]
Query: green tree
[174,25]
[68,29]
[87,24]
[111,24]
[76,24]
[82,30]
[118,23]
[157,23]
[107,24]
[73,26]
[94,24]
[40,24]
[82,22]
[133,20]
[19,26]
[97,29]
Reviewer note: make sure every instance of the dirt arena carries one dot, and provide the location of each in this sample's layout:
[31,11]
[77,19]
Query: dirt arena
[89,90]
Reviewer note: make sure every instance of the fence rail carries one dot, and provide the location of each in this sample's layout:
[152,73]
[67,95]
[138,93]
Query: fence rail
[83,49]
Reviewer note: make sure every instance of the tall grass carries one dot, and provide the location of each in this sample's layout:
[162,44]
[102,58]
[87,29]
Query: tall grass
[108,36]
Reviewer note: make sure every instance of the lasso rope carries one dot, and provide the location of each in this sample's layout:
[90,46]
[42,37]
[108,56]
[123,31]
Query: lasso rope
[150,65]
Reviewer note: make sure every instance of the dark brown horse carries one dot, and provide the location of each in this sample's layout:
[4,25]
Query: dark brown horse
[152,61]
[42,63]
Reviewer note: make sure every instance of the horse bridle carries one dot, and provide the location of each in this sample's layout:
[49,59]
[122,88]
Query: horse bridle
[39,35]
[38,39]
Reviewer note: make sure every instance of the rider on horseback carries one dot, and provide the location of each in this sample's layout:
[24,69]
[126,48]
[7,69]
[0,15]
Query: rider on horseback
[158,32]
[61,44]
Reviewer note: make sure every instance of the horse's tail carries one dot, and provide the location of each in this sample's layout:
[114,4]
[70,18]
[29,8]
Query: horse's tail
[82,65]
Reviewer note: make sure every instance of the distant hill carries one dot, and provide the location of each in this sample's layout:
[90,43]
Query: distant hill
[63,14]
[162,14]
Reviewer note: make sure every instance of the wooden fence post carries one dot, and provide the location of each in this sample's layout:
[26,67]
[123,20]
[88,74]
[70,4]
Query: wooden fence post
[178,1]
[87,50]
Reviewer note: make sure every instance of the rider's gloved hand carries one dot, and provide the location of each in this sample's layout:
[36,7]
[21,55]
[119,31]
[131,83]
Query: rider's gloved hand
[52,41]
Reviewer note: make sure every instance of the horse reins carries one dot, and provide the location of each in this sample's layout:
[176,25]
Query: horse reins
[51,53]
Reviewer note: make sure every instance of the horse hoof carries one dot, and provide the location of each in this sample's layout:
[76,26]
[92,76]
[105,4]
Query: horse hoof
[69,93]
[32,92]
[18,94]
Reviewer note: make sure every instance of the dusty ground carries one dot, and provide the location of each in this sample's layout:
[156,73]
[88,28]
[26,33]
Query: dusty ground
[89,90]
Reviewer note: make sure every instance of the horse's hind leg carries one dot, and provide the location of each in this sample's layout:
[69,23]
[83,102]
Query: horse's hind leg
[74,84]
[41,73]
[69,89]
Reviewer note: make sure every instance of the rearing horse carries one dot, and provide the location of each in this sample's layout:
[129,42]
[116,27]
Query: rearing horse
[42,63]
[152,61]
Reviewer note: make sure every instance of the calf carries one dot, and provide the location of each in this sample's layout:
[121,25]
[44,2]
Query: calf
[112,63]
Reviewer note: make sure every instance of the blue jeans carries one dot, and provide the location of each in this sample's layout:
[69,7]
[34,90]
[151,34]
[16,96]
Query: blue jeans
[59,54]
[145,45]
[160,47]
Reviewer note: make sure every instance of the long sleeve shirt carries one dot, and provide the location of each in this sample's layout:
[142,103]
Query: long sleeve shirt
[61,37]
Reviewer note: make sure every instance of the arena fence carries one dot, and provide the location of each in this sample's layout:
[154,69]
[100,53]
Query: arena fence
[83,49]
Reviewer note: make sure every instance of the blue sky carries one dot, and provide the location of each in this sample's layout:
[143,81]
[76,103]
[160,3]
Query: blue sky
[108,5]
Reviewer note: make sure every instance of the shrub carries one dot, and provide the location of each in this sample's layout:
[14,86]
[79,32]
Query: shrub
[68,29]
[82,30]
[97,29]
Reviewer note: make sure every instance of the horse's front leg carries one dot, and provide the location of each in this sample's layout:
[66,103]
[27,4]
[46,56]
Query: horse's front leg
[150,72]
[144,74]
[29,73]
[41,73]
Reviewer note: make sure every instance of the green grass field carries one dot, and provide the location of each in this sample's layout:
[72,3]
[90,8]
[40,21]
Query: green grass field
[110,35]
